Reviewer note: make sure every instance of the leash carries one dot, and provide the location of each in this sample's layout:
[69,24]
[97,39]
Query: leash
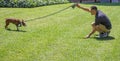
[73,6]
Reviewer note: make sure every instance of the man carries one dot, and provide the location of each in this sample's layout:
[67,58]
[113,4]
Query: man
[101,24]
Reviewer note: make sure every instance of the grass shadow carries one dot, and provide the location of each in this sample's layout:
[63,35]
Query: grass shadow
[16,30]
[105,39]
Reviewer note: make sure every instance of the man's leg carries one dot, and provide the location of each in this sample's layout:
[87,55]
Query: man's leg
[102,28]
[104,32]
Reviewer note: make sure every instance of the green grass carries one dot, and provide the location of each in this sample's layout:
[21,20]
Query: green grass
[58,37]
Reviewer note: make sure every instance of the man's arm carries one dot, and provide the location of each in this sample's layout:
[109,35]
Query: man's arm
[86,9]
[92,32]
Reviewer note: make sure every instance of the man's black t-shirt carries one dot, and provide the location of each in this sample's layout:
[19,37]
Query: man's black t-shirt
[101,18]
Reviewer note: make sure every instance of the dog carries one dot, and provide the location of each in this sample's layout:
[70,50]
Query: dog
[17,22]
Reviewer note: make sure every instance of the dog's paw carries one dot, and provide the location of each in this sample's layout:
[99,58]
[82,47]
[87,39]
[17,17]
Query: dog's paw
[17,30]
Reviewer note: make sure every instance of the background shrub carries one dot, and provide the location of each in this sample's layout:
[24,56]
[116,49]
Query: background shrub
[30,3]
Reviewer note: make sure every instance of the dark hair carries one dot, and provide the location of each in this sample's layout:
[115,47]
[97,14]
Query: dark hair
[93,8]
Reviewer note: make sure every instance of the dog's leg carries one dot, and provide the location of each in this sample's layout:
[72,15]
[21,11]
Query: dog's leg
[17,27]
[6,26]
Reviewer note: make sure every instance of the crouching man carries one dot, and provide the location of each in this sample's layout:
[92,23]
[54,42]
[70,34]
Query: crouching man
[101,24]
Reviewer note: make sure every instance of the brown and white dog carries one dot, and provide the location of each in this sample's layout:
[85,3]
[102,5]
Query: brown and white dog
[17,22]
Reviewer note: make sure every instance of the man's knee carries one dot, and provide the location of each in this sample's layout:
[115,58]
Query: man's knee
[101,28]
[93,24]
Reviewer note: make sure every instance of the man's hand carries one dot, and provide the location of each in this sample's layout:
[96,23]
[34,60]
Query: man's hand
[78,5]
[88,36]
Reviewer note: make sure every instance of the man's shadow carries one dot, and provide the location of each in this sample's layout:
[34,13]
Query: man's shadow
[105,39]
[16,30]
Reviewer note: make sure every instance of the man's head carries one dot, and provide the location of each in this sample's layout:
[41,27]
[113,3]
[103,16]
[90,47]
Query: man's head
[93,10]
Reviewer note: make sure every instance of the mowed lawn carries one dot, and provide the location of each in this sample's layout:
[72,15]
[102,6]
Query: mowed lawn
[59,37]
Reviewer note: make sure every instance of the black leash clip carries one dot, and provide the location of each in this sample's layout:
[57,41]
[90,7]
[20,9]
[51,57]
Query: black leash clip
[74,5]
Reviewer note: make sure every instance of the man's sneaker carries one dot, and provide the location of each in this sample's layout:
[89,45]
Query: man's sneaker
[103,35]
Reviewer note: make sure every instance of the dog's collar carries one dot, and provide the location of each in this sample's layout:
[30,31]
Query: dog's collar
[20,24]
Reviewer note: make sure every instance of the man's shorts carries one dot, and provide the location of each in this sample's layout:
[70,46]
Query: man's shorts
[107,27]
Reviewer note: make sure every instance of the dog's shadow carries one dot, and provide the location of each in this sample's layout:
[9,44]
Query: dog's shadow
[16,30]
